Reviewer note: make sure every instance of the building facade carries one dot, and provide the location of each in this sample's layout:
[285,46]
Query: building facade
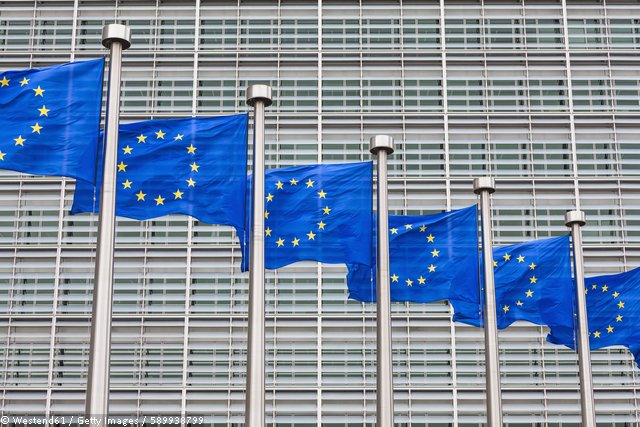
[544,95]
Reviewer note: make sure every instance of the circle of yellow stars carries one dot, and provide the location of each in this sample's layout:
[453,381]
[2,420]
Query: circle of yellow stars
[160,135]
[297,240]
[609,329]
[533,280]
[43,111]
[435,253]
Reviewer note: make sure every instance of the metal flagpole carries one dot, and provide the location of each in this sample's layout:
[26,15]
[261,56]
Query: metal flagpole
[484,186]
[259,97]
[117,38]
[574,220]
[382,145]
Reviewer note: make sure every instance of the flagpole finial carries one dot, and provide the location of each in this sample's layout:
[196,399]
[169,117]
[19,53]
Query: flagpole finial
[116,33]
[484,183]
[381,142]
[574,217]
[259,93]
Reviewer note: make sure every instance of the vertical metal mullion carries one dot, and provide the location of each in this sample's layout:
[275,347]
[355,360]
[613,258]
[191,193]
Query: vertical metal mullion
[56,292]
[445,107]
[320,305]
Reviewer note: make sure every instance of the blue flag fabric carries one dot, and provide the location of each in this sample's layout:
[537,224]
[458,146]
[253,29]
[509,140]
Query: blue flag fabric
[191,166]
[50,119]
[533,283]
[318,213]
[432,258]
[613,313]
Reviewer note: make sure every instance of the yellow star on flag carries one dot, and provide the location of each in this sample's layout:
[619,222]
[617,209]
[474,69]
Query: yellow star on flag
[142,138]
[435,253]
[309,183]
[423,228]
[505,308]
[159,200]
[269,197]
[122,167]
[279,185]
[280,242]
[178,194]
[394,278]
[311,235]
[594,287]
[326,210]
[533,279]
[293,181]
[610,329]
[127,184]
[529,293]
[160,134]
[519,303]
[321,225]
[532,266]
[408,226]
[5,81]
[295,241]
[394,231]
[191,182]
[618,318]
[20,140]
[421,280]
[520,258]
[409,282]
[2,155]
[495,263]
[620,304]
[506,257]
[605,288]
[430,238]
[266,214]
[322,194]
[140,195]
[432,268]
[267,231]
[191,149]
[127,150]
[44,111]
[24,81]
[178,138]
[596,334]
[194,167]
[36,128]
[616,294]
[38,91]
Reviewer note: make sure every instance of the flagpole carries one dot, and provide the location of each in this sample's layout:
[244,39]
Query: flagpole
[117,38]
[382,145]
[484,186]
[259,97]
[575,220]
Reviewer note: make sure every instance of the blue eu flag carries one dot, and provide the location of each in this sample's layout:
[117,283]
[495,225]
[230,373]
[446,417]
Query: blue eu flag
[432,258]
[613,313]
[192,166]
[533,283]
[50,119]
[318,213]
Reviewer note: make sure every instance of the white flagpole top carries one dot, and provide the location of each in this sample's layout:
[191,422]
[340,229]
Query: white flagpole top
[574,217]
[259,93]
[484,183]
[116,33]
[381,142]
